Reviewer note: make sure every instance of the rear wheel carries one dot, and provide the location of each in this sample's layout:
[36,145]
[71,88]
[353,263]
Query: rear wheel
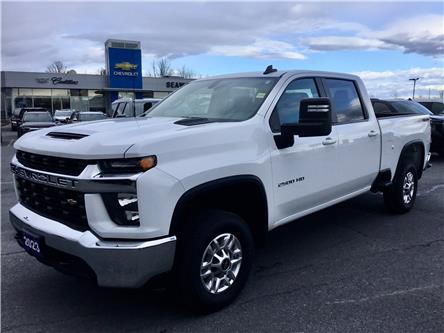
[401,196]
[214,260]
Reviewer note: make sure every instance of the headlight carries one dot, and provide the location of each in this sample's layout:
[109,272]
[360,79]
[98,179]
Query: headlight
[122,208]
[128,165]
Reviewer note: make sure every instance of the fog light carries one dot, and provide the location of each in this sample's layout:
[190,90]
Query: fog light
[128,202]
[122,208]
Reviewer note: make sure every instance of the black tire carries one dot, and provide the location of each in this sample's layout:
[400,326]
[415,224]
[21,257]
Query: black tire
[398,199]
[192,245]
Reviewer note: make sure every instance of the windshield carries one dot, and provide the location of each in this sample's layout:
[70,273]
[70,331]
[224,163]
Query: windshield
[218,99]
[63,113]
[90,116]
[37,117]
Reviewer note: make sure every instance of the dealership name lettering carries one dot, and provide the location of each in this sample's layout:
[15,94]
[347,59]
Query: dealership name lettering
[56,80]
[174,84]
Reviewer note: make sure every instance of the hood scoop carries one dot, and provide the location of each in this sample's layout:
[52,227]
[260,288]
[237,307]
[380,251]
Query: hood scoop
[66,135]
[190,121]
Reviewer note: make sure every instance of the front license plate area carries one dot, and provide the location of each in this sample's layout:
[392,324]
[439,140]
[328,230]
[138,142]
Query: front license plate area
[32,244]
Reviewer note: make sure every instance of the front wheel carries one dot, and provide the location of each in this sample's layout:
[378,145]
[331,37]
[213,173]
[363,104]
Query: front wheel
[214,260]
[401,196]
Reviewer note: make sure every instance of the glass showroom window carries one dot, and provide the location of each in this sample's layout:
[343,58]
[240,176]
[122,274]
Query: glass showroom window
[42,98]
[60,99]
[41,92]
[126,94]
[96,101]
[43,102]
[79,100]
[160,94]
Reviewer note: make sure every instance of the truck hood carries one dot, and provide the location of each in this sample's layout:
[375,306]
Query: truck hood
[109,138]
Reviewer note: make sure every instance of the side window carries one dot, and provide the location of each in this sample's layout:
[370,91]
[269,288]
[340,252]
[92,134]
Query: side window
[382,110]
[287,108]
[120,108]
[437,107]
[345,100]
[128,111]
[138,108]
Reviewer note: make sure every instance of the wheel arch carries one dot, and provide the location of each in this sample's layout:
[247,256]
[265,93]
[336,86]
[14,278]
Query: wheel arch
[413,151]
[243,195]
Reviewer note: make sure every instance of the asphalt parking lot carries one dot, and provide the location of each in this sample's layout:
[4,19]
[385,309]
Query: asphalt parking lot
[350,268]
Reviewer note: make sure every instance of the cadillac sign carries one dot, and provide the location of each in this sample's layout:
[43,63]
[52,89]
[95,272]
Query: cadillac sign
[56,80]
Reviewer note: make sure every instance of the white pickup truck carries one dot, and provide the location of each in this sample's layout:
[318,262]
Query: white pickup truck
[193,185]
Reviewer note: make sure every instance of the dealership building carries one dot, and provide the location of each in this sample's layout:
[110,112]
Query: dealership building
[85,92]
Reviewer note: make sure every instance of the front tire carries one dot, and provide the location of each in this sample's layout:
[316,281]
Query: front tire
[401,196]
[214,260]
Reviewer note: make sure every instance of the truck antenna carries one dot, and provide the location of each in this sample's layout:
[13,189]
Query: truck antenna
[269,70]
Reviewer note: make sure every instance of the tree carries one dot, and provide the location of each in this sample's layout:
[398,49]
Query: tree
[186,73]
[56,67]
[161,67]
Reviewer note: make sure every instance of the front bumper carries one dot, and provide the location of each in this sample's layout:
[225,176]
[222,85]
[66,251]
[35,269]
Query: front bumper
[117,263]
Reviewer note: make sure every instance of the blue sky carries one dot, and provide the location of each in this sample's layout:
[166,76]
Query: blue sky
[384,42]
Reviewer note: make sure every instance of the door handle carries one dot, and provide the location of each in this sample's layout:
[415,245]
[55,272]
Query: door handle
[372,133]
[329,141]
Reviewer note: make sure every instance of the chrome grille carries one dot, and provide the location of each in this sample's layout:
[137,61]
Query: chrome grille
[64,206]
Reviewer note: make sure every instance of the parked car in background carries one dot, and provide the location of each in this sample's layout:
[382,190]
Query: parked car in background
[396,107]
[17,115]
[64,116]
[35,120]
[127,107]
[434,105]
[89,116]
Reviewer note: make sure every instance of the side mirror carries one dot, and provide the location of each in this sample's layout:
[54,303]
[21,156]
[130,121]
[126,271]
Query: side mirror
[314,120]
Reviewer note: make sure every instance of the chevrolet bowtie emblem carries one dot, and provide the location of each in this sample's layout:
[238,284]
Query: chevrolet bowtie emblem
[126,66]
[72,202]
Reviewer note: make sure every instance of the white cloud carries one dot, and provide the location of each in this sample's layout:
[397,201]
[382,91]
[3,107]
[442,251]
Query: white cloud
[387,84]
[423,34]
[335,43]
[261,49]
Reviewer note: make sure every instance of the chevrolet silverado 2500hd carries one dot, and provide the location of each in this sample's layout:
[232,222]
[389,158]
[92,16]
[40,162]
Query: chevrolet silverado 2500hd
[192,185]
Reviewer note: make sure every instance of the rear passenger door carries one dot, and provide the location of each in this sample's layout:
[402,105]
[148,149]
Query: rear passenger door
[359,136]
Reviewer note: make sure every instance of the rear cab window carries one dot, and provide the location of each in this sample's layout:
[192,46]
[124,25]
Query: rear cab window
[382,109]
[438,108]
[345,100]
